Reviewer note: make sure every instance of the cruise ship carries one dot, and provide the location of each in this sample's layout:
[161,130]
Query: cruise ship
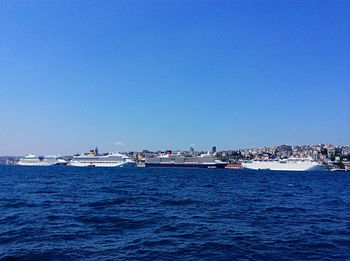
[291,164]
[170,160]
[32,160]
[94,159]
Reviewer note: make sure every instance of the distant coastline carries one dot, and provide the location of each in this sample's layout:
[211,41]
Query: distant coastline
[319,152]
[334,157]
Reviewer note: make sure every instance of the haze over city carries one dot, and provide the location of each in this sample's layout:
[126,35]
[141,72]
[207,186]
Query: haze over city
[133,75]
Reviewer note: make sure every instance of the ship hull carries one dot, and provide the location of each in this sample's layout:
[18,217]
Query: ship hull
[102,164]
[39,164]
[179,165]
[284,167]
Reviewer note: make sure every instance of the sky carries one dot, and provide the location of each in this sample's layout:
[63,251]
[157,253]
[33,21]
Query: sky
[152,74]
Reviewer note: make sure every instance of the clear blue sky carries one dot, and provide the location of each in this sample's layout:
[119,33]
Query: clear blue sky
[131,75]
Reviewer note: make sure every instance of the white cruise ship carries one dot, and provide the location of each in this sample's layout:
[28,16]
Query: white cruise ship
[32,160]
[94,159]
[291,164]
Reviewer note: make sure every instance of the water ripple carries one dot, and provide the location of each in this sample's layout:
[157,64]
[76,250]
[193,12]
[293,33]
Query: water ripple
[159,214]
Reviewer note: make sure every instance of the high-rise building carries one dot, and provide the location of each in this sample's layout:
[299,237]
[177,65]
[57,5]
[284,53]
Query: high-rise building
[213,149]
[191,150]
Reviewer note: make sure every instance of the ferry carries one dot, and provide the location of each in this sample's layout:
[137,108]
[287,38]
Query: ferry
[94,159]
[290,164]
[49,160]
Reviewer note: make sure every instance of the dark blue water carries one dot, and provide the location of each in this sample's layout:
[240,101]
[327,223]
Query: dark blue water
[64,213]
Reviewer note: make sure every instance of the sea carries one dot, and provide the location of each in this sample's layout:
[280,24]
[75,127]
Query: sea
[72,213]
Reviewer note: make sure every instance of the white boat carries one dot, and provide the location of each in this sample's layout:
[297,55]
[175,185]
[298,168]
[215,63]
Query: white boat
[106,160]
[291,164]
[49,160]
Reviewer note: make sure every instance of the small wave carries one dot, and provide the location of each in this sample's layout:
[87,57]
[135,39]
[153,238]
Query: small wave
[44,192]
[322,245]
[174,228]
[31,255]
[114,190]
[179,202]
[7,219]
[289,194]
[108,202]
[53,217]
[114,223]
[18,204]
[283,209]
[337,202]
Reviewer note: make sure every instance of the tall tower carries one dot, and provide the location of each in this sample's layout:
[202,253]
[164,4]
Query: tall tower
[192,150]
[96,151]
[213,150]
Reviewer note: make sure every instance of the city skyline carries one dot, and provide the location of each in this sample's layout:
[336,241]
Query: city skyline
[192,148]
[133,75]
